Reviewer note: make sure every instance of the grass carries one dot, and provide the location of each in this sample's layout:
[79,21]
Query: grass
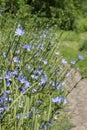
[62,123]
[70,43]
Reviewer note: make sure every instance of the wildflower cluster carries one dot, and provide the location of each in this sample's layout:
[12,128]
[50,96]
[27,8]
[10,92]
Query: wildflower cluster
[31,80]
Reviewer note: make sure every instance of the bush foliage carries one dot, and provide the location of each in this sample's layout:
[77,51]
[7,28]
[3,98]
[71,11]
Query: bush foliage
[62,12]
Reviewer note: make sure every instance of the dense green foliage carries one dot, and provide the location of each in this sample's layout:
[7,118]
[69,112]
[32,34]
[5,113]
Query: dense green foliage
[64,13]
[83,46]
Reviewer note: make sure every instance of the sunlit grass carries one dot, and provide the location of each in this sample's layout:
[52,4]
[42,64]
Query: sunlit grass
[70,44]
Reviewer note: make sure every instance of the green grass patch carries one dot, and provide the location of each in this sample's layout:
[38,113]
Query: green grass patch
[70,44]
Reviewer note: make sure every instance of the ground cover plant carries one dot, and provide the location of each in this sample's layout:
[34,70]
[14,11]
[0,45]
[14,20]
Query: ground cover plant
[32,74]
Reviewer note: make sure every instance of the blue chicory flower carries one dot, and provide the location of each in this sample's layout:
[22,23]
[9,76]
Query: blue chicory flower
[56,72]
[58,99]
[80,57]
[22,79]
[8,75]
[68,74]
[57,53]
[34,76]
[15,72]
[73,62]
[55,117]
[41,47]
[10,99]
[23,90]
[52,83]
[58,85]
[20,73]
[8,83]
[34,90]
[43,80]
[7,91]
[28,67]
[38,72]
[19,32]
[25,116]
[15,59]
[64,61]
[43,36]
[65,101]
[29,114]
[1,110]
[37,54]
[1,77]
[18,52]
[0,113]
[18,116]
[45,62]
[49,123]
[4,54]
[27,84]
[28,47]
[21,105]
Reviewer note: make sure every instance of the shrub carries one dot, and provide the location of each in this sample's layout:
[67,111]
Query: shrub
[60,11]
[81,24]
[83,46]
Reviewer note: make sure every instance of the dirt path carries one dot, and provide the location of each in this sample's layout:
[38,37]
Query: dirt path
[78,104]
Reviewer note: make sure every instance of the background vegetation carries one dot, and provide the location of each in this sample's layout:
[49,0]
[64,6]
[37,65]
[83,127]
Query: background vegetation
[37,39]
[67,14]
